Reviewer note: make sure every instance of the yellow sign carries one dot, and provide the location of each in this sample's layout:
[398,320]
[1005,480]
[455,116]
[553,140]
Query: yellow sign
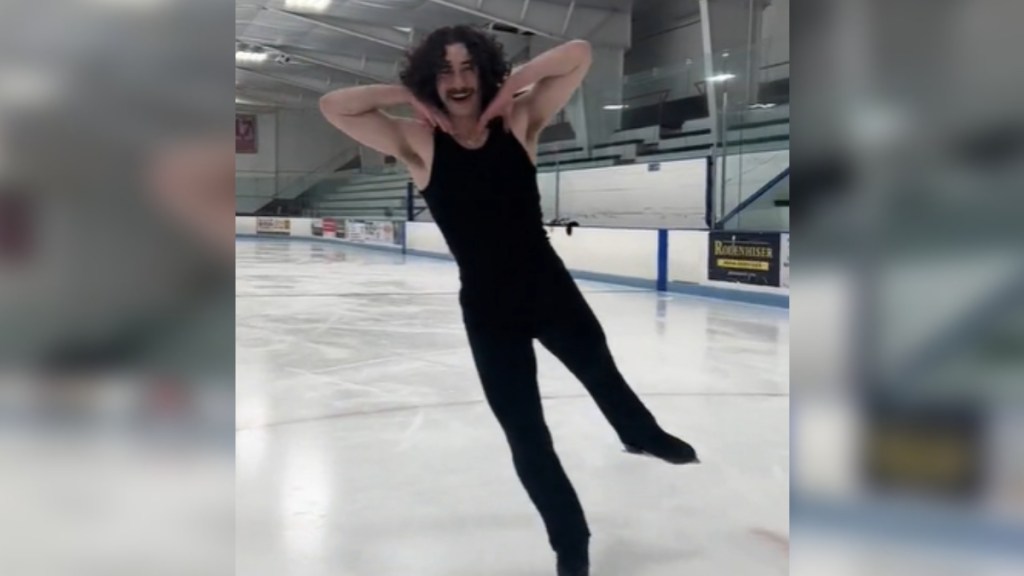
[742,264]
[924,459]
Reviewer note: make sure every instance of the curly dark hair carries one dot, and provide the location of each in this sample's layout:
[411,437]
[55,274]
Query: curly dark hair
[426,60]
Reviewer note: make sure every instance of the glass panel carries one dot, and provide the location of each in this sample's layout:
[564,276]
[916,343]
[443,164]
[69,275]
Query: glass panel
[753,120]
[641,158]
[768,211]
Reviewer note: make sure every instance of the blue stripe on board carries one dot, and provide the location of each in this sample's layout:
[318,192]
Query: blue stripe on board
[578,274]
[425,254]
[662,283]
[730,294]
[949,529]
[336,242]
[614,279]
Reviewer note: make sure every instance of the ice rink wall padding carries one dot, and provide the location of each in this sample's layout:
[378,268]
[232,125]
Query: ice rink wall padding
[666,260]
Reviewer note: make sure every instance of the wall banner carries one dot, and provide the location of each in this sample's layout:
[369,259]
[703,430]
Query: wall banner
[330,228]
[273,226]
[785,260]
[746,257]
[245,134]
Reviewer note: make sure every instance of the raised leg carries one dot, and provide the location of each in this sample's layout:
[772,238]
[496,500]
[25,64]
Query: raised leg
[573,334]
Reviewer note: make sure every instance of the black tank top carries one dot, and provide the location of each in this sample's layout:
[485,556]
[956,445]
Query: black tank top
[487,205]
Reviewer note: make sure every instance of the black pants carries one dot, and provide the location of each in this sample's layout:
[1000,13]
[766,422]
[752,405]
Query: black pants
[503,351]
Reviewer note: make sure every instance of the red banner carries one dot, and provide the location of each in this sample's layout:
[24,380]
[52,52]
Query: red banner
[330,228]
[245,134]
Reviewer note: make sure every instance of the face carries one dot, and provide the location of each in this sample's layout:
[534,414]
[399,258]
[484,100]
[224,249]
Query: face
[458,83]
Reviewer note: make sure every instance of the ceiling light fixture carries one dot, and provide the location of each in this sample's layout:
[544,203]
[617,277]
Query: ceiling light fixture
[307,5]
[721,77]
[250,57]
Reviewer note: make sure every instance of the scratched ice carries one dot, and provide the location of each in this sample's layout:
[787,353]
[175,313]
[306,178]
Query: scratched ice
[365,449]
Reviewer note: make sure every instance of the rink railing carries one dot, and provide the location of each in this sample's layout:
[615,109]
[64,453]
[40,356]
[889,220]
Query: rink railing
[748,267]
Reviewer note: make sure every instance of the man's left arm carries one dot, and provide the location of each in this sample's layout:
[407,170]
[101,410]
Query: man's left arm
[551,78]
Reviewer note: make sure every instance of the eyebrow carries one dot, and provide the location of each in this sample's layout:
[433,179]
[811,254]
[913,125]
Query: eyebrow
[463,64]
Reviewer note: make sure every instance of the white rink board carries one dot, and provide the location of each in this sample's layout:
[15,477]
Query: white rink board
[630,253]
[425,237]
[688,256]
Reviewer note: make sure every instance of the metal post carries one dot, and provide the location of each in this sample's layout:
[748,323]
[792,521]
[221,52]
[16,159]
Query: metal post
[751,82]
[725,153]
[568,16]
[409,197]
[709,87]
[558,179]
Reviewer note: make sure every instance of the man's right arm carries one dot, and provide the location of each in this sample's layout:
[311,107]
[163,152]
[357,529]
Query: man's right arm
[358,112]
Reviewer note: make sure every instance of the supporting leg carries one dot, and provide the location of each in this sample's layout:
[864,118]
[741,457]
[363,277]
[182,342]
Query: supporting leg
[508,370]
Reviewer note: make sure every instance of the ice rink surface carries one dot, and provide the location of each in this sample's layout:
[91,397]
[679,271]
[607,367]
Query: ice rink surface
[365,448]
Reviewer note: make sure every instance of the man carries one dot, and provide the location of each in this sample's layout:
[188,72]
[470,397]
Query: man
[472,155]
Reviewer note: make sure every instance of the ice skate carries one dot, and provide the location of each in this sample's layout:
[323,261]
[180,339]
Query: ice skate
[664,446]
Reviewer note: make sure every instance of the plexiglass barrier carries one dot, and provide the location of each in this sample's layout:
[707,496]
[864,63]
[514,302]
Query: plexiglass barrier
[657,151]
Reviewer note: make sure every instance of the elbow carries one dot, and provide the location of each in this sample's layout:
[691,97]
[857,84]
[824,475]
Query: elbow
[582,50]
[337,103]
[328,104]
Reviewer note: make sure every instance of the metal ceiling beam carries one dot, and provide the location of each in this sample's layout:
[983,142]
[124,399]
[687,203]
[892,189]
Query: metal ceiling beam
[348,67]
[568,16]
[242,103]
[277,98]
[280,80]
[383,36]
[507,19]
[362,67]
[560,22]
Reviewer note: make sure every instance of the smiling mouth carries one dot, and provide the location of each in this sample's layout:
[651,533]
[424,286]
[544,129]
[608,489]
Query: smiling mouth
[460,96]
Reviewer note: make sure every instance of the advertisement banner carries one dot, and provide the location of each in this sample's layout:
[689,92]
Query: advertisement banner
[274,226]
[382,232]
[330,228]
[746,257]
[245,134]
[378,232]
[785,261]
[928,449]
[354,231]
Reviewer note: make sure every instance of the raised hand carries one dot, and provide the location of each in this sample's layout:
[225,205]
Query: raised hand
[432,116]
[500,106]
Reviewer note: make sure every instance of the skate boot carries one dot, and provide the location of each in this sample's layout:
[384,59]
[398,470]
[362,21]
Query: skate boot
[574,563]
[664,446]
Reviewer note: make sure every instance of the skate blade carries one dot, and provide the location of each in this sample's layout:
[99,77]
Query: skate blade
[638,452]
